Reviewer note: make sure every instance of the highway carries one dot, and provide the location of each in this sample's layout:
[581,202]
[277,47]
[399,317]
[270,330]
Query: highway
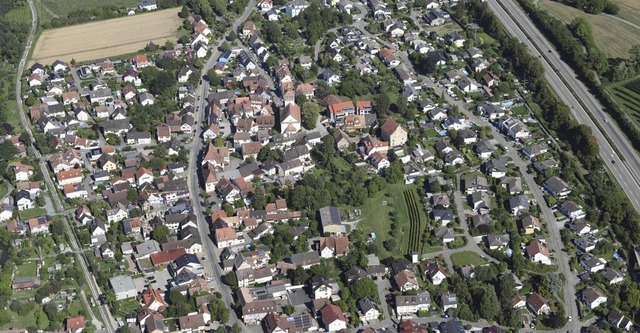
[625,169]
[109,322]
[212,269]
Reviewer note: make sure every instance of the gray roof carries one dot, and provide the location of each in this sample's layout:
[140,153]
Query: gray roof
[330,215]
[122,283]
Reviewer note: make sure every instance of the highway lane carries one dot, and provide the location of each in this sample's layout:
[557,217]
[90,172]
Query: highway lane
[626,169]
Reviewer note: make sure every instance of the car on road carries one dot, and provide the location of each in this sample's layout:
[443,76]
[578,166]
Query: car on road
[570,318]
[444,315]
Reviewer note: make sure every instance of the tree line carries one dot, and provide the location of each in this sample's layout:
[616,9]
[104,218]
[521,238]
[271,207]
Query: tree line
[593,6]
[614,207]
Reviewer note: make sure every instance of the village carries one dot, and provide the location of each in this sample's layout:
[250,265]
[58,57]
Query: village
[388,173]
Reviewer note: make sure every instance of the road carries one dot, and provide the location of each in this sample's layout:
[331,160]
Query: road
[626,170]
[108,320]
[212,269]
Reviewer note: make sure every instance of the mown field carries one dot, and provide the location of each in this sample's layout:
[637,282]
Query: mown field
[106,38]
[612,36]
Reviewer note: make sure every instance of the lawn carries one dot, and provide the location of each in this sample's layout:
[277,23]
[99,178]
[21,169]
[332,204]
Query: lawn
[29,268]
[376,217]
[19,321]
[520,111]
[444,29]
[431,133]
[30,213]
[467,258]
[127,306]
[612,36]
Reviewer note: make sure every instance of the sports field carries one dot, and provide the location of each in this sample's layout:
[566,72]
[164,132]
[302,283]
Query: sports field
[612,36]
[106,38]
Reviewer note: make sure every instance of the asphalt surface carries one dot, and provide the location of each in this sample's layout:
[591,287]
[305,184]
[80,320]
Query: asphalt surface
[211,255]
[625,168]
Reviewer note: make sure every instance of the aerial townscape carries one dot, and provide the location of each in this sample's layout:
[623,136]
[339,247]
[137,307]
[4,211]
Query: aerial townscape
[289,166]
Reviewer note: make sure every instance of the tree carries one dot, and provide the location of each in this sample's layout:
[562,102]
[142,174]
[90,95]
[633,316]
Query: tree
[184,13]
[31,100]
[310,113]
[489,305]
[231,279]
[7,150]
[259,198]
[218,141]
[57,228]
[219,311]
[288,309]
[382,104]
[394,173]
[214,79]
[272,32]
[364,288]
[160,232]
[157,163]
[402,105]
[180,304]
[298,275]
[634,56]
[132,195]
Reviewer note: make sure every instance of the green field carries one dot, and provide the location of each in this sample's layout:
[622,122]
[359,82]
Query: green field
[612,36]
[629,10]
[376,218]
[30,213]
[29,268]
[62,8]
[628,96]
[466,258]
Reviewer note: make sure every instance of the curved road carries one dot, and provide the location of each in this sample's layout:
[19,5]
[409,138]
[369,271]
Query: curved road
[93,286]
[573,92]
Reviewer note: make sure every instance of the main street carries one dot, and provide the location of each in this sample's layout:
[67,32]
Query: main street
[626,168]
[107,318]
[212,269]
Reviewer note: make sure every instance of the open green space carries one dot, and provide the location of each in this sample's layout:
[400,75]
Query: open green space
[20,14]
[466,258]
[62,8]
[629,10]
[612,36]
[376,218]
[519,111]
[29,268]
[31,213]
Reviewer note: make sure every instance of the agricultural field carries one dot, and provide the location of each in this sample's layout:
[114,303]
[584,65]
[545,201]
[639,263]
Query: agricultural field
[62,8]
[628,96]
[612,36]
[417,221]
[629,10]
[108,38]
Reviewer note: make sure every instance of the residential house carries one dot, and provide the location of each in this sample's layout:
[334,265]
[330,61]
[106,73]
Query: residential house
[537,304]
[538,252]
[410,305]
[592,297]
